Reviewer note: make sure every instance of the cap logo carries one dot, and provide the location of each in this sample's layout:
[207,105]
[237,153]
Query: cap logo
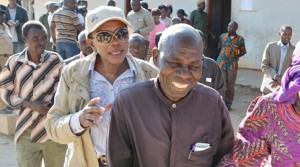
[94,18]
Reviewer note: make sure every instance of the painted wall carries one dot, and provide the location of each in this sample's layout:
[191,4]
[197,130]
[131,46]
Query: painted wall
[261,26]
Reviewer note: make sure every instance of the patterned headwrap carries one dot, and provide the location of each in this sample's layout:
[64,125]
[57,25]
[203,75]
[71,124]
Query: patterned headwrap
[290,83]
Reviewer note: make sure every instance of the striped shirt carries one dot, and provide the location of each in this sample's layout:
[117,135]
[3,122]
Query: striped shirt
[65,21]
[20,80]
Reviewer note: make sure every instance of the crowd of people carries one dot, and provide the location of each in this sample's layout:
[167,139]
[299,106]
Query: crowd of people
[98,88]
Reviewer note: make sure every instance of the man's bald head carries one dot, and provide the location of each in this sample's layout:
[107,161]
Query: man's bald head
[83,46]
[81,36]
[179,35]
[137,45]
[136,38]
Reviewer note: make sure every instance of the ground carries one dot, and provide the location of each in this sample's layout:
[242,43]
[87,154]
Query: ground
[243,96]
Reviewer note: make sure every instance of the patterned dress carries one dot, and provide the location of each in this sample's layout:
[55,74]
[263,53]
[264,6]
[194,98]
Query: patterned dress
[269,135]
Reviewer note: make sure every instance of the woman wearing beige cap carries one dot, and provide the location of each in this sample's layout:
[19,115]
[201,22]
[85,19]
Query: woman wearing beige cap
[81,112]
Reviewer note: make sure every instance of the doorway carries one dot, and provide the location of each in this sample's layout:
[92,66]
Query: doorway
[219,15]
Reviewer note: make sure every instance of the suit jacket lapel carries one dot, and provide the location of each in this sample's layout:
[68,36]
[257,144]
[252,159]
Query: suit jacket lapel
[278,55]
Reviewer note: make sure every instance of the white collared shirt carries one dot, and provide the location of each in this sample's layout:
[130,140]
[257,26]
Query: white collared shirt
[283,52]
[101,87]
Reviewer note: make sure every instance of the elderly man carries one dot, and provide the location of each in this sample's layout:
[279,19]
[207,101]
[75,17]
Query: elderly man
[27,84]
[85,49]
[137,45]
[172,120]
[81,112]
[141,21]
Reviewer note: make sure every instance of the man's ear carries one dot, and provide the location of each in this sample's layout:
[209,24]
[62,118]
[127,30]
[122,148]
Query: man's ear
[78,45]
[90,43]
[155,54]
[24,38]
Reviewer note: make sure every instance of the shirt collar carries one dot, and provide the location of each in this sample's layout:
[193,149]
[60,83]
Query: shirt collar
[282,45]
[131,65]
[23,57]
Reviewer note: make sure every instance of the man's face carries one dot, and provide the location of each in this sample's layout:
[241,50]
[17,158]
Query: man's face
[12,2]
[156,19]
[135,5]
[116,50]
[180,16]
[180,69]
[36,40]
[84,47]
[137,49]
[231,28]
[201,6]
[72,5]
[169,12]
[285,35]
[52,8]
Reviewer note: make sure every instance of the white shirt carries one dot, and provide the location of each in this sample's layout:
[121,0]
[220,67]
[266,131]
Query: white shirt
[283,51]
[81,19]
[102,88]
[13,32]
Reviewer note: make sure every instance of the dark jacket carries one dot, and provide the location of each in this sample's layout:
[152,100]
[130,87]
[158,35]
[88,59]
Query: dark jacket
[22,16]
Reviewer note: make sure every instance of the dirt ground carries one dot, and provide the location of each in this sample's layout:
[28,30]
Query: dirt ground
[243,96]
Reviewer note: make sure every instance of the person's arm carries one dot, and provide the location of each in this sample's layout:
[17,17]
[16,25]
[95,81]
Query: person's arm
[53,34]
[76,22]
[7,86]
[251,146]
[227,138]
[57,123]
[192,17]
[242,47]
[266,61]
[119,149]
[79,27]
[149,24]
[6,40]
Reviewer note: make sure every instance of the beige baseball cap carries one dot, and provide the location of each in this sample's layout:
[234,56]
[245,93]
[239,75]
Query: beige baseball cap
[102,14]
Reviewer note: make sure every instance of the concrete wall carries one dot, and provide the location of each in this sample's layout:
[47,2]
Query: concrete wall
[261,26]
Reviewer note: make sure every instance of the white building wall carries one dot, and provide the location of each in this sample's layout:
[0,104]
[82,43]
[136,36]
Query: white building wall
[261,26]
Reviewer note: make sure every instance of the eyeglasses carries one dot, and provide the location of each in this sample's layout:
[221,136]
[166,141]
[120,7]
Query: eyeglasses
[105,37]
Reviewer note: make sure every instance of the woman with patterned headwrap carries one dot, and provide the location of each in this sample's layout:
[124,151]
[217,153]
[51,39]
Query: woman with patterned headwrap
[270,133]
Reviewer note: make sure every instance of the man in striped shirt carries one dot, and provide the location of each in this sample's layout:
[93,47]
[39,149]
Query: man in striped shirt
[28,83]
[64,27]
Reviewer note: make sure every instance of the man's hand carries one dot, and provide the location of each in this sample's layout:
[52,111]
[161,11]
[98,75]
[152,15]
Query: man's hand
[274,84]
[278,79]
[91,113]
[41,107]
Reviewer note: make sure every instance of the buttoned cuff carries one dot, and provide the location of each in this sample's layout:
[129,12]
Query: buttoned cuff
[75,124]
